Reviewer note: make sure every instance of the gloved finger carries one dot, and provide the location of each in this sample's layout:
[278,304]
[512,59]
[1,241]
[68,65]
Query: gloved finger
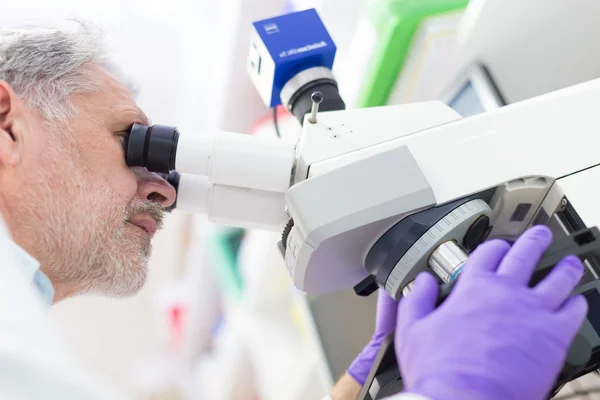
[572,314]
[387,310]
[419,302]
[385,323]
[486,257]
[525,253]
[555,288]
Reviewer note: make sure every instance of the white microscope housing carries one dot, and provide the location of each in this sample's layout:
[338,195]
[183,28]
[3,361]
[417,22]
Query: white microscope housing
[369,196]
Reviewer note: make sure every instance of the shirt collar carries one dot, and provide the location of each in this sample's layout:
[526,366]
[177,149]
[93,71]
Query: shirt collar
[30,266]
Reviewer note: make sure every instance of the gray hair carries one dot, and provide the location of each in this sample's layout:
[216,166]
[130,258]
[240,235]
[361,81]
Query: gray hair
[47,64]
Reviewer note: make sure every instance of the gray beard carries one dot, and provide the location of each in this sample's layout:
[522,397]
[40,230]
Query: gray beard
[85,244]
[95,255]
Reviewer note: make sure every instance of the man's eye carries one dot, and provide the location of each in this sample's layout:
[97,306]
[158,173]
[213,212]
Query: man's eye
[124,138]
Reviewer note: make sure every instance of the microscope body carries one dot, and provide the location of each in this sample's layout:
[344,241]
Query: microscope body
[369,198]
[360,173]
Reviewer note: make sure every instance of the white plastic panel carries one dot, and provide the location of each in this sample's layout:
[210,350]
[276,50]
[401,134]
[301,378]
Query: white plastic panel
[193,193]
[246,208]
[260,67]
[229,205]
[235,159]
[339,215]
[252,162]
[342,132]
[553,135]
[194,153]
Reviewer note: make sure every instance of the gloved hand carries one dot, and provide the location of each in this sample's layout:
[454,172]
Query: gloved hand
[493,337]
[385,323]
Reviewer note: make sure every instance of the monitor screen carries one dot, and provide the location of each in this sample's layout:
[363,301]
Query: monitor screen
[466,102]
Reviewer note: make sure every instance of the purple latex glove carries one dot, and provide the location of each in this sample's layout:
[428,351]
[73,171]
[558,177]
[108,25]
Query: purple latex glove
[385,323]
[493,337]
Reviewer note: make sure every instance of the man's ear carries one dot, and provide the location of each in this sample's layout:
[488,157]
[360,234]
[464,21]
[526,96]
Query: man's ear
[9,104]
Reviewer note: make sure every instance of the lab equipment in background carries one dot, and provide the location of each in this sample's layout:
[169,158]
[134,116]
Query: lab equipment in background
[534,47]
[473,92]
[433,59]
[398,48]
[222,250]
[165,376]
[529,50]
[549,46]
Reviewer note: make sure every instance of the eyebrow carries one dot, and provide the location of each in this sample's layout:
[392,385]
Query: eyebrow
[130,115]
[143,118]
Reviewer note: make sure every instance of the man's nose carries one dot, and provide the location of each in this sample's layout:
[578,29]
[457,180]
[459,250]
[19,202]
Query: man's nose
[153,187]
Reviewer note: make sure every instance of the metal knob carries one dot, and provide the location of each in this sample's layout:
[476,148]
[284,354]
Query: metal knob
[317,98]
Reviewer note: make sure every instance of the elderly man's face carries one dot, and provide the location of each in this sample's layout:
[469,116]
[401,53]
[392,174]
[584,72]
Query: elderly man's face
[74,203]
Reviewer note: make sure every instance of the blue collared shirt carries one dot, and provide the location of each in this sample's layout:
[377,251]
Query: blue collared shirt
[31,267]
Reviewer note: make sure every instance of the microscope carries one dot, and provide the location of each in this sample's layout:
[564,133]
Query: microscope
[369,198]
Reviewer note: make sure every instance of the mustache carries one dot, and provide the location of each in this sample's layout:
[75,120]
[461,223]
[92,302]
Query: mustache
[151,208]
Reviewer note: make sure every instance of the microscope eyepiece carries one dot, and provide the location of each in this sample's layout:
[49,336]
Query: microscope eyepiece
[153,147]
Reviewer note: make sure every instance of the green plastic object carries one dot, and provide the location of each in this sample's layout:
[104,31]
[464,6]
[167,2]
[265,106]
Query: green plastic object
[223,250]
[396,22]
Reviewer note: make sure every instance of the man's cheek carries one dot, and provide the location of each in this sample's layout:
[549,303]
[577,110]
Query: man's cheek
[123,185]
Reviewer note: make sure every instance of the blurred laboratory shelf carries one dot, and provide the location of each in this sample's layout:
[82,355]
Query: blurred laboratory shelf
[263,338]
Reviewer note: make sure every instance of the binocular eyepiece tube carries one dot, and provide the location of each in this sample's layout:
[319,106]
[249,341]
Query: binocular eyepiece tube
[153,147]
[236,179]
[227,158]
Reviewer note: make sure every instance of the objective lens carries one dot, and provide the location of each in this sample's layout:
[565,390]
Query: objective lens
[448,260]
[407,289]
[153,147]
